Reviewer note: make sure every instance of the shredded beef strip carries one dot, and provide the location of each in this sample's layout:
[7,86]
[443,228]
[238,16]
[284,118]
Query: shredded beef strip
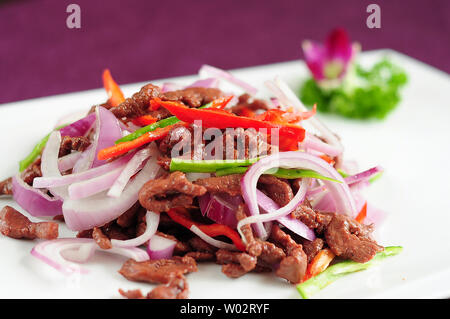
[138,104]
[268,253]
[164,162]
[235,264]
[177,288]
[69,144]
[180,136]
[164,193]
[245,101]
[230,184]
[15,225]
[158,271]
[312,248]
[6,187]
[132,294]
[32,171]
[277,189]
[292,267]
[101,239]
[194,96]
[346,237]
[129,218]
[349,239]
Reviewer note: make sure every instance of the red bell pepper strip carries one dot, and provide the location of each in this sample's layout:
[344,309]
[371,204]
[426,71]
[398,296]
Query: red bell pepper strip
[327,159]
[125,147]
[144,120]
[362,214]
[285,117]
[115,95]
[212,230]
[221,120]
[319,263]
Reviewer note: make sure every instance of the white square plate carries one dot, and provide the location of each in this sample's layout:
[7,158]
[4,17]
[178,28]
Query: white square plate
[412,144]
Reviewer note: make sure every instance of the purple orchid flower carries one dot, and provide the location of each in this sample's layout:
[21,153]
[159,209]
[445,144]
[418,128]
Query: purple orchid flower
[329,62]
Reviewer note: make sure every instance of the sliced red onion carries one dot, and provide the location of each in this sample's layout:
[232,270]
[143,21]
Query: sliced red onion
[54,180]
[168,87]
[363,176]
[80,127]
[220,208]
[218,73]
[34,201]
[152,221]
[107,131]
[205,83]
[71,118]
[95,185]
[133,166]
[268,205]
[99,209]
[68,161]
[62,253]
[314,143]
[160,247]
[288,98]
[300,160]
[275,215]
[210,240]
[49,165]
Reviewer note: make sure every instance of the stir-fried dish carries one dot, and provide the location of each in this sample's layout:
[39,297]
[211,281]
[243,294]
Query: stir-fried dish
[178,175]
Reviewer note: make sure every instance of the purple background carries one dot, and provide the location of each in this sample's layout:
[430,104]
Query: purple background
[145,40]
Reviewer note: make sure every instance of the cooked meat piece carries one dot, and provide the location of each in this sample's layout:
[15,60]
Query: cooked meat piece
[199,244]
[277,189]
[164,162]
[201,256]
[114,231]
[349,239]
[59,218]
[293,267]
[345,236]
[132,294]
[177,288]
[69,144]
[194,96]
[15,225]
[129,217]
[235,264]
[240,143]
[230,184]
[246,102]
[268,254]
[160,114]
[311,248]
[314,220]
[85,233]
[179,136]
[6,187]
[253,247]
[162,194]
[138,104]
[233,270]
[32,171]
[101,239]
[157,271]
